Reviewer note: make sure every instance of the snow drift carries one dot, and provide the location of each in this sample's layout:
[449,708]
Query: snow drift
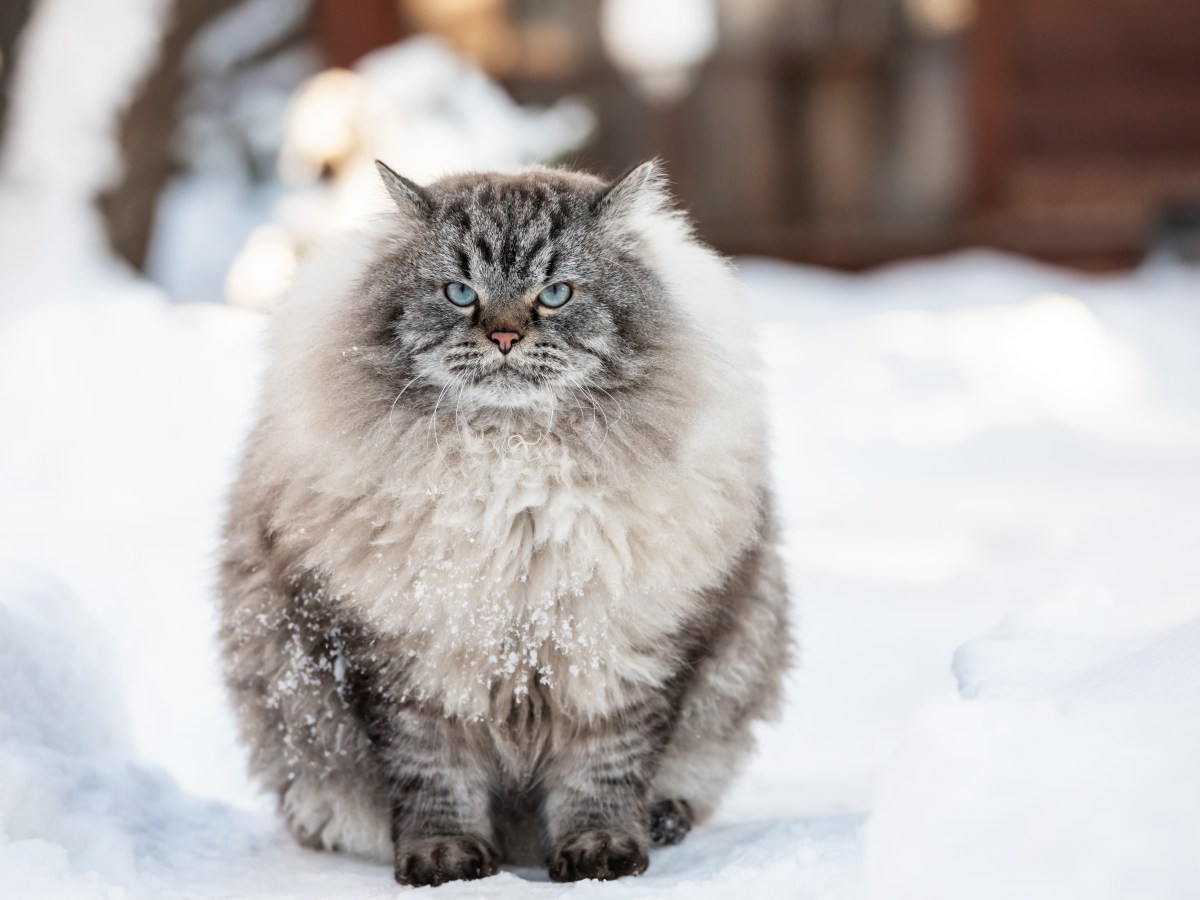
[991,497]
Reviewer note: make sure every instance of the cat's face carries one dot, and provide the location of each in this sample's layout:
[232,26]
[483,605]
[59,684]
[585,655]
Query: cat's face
[516,291]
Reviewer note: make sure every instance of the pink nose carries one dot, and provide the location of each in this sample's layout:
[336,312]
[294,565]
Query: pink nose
[505,339]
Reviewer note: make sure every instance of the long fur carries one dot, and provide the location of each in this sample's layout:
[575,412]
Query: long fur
[481,607]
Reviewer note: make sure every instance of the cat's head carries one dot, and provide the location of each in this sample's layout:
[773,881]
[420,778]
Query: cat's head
[507,291]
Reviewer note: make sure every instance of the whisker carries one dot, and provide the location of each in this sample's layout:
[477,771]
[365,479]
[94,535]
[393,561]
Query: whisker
[392,409]
[433,424]
[617,403]
[596,405]
[550,423]
[573,380]
[461,420]
[577,401]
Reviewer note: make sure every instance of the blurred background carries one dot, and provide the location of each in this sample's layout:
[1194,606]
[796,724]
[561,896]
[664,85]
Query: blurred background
[846,133]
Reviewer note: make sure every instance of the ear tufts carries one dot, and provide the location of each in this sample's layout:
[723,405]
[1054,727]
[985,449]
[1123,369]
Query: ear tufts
[407,194]
[642,187]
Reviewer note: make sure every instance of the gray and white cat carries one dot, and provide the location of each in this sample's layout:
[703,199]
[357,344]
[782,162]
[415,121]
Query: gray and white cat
[499,582]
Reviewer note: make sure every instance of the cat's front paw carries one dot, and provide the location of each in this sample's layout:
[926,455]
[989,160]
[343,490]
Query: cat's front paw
[670,821]
[598,854]
[450,857]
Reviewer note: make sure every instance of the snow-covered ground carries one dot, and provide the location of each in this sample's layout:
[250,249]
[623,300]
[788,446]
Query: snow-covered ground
[989,474]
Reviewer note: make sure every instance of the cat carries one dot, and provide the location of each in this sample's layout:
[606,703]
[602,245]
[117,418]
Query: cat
[498,580]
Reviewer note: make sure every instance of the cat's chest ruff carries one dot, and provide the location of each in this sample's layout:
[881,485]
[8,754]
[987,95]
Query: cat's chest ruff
[503,564]
[533,487]
[511,571]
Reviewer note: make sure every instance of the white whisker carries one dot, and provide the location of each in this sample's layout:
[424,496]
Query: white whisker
[392,409]
[433,423]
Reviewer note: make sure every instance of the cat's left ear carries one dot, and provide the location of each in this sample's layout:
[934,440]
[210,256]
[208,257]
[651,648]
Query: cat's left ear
[408,195]
[641,190]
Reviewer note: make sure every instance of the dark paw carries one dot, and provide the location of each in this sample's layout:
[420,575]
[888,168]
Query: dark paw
[436,860]
[670,821]
[598,854]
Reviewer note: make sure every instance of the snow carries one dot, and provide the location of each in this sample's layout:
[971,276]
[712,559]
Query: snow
[1109,727]
[989,485]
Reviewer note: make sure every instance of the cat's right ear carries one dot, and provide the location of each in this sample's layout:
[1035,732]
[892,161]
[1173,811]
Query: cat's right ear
[409,196]
[642,189]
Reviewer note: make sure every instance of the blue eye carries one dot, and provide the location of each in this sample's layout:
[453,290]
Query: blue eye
[555,295]
[460,294]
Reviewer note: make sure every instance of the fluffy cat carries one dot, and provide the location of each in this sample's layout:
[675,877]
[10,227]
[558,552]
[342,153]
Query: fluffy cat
[498,581]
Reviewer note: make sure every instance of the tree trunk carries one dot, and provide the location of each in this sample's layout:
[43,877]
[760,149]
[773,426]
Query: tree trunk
[146,130]
[13,16]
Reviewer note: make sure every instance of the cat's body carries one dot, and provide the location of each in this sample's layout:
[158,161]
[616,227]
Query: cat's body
[519,605]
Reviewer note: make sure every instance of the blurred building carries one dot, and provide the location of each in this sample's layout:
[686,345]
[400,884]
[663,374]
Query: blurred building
[850,132]
[840,132]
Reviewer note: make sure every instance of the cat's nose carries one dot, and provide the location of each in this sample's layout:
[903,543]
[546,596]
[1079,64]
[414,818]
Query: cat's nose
[505,339]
